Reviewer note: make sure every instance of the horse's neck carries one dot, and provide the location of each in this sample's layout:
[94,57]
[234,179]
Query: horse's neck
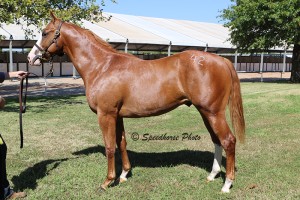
[85,53]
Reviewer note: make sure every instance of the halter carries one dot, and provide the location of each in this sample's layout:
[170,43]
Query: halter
[45,51]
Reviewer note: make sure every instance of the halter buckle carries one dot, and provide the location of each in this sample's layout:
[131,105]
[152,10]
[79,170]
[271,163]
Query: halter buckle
[56,34]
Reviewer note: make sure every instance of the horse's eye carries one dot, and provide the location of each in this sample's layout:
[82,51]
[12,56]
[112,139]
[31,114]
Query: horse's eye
[44,33]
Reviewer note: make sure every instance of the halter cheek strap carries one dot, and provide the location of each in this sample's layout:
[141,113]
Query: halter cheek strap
[39,48]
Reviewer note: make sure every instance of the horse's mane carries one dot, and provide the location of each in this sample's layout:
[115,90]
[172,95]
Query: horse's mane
[105,44]
[101,41]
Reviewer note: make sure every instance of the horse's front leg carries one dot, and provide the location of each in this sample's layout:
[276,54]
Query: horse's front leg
[121,143]
[108,126]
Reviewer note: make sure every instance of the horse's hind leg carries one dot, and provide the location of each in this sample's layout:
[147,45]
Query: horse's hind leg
[121,143]
[216,168]
[221,135]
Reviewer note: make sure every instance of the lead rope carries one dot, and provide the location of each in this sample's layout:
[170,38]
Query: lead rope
[22,101]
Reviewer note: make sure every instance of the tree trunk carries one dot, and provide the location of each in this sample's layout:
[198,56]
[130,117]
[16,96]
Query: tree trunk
[295,75]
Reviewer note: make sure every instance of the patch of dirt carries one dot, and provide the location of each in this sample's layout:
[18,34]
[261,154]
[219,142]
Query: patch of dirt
[264,77]
[54,86]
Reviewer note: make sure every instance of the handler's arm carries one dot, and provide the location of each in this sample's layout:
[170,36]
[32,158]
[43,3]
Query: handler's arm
[15,74]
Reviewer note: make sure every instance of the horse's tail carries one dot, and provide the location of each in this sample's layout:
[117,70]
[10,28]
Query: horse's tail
[236,105]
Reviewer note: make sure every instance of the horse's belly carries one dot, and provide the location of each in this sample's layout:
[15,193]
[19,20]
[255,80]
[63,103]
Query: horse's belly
[136,110]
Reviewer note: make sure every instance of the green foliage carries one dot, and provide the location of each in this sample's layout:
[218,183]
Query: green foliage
[36,13]
[263,24]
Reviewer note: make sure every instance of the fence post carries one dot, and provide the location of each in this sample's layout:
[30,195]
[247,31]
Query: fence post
[126,46]
[235,59]
[11,66]
[75,73]
[261,66]
[284,61]
[169,48]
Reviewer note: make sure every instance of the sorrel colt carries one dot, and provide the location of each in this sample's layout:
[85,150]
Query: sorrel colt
[120,85]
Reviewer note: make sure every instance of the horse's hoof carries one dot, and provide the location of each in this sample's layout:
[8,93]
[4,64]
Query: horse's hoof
[209,180]
[122,180]
[101,189]
[225,191]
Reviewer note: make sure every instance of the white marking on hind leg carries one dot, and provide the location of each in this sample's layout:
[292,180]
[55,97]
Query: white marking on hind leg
[216,168]
[227,185]
[123,176]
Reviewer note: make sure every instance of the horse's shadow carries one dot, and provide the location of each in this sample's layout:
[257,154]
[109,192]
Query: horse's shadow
[202,159]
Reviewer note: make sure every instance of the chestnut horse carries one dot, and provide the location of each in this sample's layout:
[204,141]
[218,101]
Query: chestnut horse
[121,85]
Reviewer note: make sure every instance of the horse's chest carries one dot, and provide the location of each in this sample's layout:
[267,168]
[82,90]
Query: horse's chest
[93,95]
[91,100]
[103,98]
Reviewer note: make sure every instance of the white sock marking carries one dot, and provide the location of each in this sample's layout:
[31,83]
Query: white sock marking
[216,168]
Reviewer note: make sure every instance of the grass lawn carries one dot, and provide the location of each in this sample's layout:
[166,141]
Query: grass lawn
[63,155]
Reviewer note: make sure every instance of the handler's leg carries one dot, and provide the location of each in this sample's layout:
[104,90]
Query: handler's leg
[5,191]
[3,177]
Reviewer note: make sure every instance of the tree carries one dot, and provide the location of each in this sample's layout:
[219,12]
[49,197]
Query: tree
[263,24]
[35,13]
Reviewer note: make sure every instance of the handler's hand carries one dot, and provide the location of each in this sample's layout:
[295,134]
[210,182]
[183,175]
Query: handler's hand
[18,74]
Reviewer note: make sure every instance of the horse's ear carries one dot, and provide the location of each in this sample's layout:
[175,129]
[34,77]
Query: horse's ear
[53,16]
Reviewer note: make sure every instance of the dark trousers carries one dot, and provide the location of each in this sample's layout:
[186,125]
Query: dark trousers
[3,176]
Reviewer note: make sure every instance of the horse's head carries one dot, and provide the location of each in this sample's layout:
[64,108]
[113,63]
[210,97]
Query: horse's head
[49,44]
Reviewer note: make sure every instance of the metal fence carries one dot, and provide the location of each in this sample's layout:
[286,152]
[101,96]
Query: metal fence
[64,67]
